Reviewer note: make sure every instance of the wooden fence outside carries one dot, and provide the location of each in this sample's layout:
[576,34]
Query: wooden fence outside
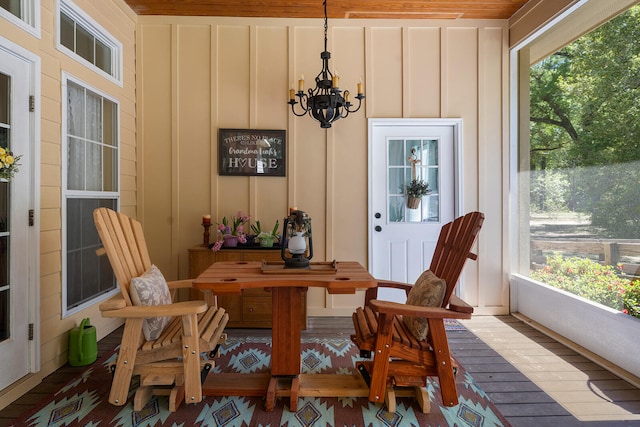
[624,252]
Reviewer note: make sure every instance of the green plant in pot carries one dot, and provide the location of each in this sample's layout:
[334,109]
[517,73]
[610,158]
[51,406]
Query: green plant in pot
[416,189]
[266,238]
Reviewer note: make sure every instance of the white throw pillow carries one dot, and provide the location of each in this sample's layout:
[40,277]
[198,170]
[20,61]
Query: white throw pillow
[151,289]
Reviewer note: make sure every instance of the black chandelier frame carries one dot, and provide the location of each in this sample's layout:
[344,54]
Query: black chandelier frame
[325,103]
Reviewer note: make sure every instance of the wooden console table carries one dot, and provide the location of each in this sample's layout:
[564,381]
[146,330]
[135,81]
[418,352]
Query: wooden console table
[230,278]
[251,309]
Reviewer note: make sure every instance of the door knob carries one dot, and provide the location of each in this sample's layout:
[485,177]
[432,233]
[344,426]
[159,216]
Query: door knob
[378,228]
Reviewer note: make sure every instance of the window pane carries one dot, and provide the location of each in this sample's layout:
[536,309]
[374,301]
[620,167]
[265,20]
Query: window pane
[109,123]
[84,44]
[76,164]
[74,234]
[4,206]
[396,208]
[103,57]
[94,117]
[4,261]
[109,169]
[74,275]
[94,164]
[88,275]
[396,181]
[67,32]
[396,153]
[5,320]
[432,179]
[580,194]
[432,153]
[12,6]
[4,99]
[75,110]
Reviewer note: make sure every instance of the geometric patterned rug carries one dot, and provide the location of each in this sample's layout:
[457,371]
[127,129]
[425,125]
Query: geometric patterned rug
[83,400]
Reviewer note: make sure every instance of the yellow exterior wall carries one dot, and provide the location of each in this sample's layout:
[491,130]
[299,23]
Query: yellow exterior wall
[118,19]
[199,74]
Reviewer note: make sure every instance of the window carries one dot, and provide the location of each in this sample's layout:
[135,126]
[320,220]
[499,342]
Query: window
[25,13]
[84,39]
[580,203]
[413,162]
[91,181]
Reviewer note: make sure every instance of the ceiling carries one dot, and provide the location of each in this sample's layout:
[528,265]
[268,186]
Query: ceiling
[366,9]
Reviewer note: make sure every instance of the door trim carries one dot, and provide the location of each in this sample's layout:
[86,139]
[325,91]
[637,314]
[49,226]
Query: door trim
[455,123]
[34,64]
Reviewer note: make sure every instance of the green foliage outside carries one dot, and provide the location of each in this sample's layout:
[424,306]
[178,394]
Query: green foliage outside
[591,280]
[585,128]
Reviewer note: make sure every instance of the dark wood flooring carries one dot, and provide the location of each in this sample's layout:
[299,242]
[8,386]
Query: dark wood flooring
[516,396]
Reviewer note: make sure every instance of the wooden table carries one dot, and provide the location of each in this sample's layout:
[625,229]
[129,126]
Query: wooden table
[230,278]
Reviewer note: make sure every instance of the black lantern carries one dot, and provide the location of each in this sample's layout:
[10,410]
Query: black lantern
[296,240]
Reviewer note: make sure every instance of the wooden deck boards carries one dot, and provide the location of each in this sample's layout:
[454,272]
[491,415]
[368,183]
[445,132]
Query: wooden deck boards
[533,379]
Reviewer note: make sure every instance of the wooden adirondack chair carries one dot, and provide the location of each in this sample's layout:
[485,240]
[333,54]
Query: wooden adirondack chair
[171,364]
[401,360]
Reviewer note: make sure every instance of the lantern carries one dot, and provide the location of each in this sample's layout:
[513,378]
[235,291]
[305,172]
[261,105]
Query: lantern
[296,240]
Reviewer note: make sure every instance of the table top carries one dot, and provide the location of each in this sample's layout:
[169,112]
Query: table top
[230,277]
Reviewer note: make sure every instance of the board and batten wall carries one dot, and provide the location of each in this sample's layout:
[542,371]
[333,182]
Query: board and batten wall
[198,74]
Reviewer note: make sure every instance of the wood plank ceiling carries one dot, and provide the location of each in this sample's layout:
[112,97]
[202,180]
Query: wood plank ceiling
[365,9]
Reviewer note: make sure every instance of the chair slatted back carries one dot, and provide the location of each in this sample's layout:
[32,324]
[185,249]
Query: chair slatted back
[453,248]
[124,243]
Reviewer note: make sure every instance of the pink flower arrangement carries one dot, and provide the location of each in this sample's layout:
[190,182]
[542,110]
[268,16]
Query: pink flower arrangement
[233,227]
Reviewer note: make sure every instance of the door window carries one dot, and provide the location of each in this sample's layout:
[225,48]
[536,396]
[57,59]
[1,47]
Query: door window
[412,159]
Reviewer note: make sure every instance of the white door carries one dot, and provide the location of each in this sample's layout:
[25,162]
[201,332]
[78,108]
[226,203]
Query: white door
[402,238]
[14,221]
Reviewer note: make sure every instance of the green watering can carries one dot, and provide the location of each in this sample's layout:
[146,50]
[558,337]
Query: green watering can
[83,345]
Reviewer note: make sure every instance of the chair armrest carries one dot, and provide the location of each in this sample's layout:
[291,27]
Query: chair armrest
[417,310]
[115,303]
[372,293]
[180,284]
[457,304]
[396,285]
[145,311]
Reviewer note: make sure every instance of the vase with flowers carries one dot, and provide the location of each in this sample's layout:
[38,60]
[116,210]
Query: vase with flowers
[230,232]
[8,164]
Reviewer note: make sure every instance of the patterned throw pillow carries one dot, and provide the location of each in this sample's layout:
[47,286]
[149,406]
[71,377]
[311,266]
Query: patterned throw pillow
[428,291]
[151,289]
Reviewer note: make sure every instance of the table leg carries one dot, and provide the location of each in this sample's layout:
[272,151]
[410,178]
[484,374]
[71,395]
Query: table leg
[285,333]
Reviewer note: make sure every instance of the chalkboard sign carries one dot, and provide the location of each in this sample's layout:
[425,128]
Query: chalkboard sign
[252,152]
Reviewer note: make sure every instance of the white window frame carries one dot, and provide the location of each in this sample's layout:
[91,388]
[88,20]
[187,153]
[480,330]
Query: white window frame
[66,77]
[97,31]
[30,21]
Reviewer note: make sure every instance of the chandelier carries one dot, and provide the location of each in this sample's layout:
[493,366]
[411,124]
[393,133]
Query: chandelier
[325,103]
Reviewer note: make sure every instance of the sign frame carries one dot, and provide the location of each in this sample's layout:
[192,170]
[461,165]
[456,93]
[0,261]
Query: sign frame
[252,152]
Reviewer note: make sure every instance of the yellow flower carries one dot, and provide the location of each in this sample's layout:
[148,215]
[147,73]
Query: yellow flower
[9,160]
[2,151]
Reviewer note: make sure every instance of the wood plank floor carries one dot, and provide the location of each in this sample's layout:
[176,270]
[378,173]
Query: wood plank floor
[534,380]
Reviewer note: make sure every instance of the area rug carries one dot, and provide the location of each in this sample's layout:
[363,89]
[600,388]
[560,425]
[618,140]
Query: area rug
[83,401]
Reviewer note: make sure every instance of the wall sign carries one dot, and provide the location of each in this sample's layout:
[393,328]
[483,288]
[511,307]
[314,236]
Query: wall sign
[252,152]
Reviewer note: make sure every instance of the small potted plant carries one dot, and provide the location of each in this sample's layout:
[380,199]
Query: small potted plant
[266,238]
[415,190]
